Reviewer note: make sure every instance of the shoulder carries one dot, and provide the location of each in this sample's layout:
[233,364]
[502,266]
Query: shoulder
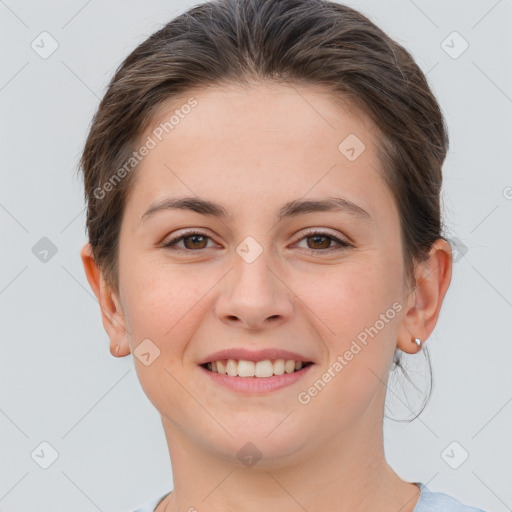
[430,501]
[151,505]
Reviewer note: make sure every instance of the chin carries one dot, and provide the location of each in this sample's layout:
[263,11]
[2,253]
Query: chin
[264,444]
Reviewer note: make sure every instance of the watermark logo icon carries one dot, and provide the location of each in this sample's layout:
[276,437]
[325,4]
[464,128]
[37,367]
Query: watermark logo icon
[44,455]
[459,249]
[44,250]
[454,45]
[351,147]
[249,454]
[44,45]
[454,455]
[249,250]
[146,352]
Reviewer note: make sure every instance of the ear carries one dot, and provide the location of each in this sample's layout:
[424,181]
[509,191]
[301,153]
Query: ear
[424,302]
[111,312]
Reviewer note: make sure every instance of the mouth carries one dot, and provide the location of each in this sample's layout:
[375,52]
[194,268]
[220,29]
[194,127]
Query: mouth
[256,378]
[255,369]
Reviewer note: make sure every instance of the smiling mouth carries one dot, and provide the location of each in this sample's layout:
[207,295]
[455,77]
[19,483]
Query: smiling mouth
[258,369]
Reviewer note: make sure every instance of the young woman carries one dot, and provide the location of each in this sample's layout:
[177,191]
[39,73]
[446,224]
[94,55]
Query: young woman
[263,185]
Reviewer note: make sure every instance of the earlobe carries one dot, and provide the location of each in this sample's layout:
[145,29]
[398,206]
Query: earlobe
[111,312]
[118,350]
[423,306]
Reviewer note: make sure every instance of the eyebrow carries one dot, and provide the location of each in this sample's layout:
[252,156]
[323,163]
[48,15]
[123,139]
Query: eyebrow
[290,209]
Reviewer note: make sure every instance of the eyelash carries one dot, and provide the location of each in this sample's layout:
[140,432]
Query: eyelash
[187,234]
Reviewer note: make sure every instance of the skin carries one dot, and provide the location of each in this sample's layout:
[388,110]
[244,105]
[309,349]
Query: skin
[252,149]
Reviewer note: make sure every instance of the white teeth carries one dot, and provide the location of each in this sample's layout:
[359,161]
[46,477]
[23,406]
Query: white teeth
[246,369]
[264,368]
[243,368]
[221,367]
[279,366]
[232,368]
[289,366]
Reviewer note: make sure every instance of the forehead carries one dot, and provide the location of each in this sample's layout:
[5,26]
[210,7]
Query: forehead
[280,141]
[293,110]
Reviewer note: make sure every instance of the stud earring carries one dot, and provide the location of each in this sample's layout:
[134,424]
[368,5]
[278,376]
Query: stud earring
[417,341]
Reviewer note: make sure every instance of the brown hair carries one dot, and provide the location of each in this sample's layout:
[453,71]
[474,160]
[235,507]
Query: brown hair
[313,42]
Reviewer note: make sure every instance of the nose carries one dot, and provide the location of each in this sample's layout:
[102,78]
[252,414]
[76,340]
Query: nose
[254,295]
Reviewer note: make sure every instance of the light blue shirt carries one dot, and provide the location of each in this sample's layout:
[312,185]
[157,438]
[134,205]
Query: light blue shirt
[440,502]
[427,502]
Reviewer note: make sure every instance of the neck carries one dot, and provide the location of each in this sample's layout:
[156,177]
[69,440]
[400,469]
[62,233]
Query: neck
[346,472]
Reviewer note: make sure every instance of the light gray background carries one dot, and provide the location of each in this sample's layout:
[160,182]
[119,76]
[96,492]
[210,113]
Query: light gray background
[59,382]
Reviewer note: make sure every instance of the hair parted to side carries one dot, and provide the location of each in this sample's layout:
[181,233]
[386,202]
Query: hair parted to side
[309,42]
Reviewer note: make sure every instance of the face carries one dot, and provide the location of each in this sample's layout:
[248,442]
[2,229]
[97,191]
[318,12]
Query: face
[325,285]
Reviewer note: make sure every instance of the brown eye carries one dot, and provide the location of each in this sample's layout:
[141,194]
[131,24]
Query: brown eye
[196,241]
[320,242]
[192,241]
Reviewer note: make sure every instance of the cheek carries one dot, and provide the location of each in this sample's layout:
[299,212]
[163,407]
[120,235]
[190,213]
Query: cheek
[358,305]
[347,298]
[164,307]
[158,298]
[354,313]
[162,304]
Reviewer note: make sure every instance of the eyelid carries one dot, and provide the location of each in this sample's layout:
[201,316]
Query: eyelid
[340,242]
[308,232]
[322,231]
[184,234]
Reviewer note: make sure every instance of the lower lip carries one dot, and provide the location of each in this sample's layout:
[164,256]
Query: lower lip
[250,385]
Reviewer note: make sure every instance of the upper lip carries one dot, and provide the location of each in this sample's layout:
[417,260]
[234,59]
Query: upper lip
[253,355]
